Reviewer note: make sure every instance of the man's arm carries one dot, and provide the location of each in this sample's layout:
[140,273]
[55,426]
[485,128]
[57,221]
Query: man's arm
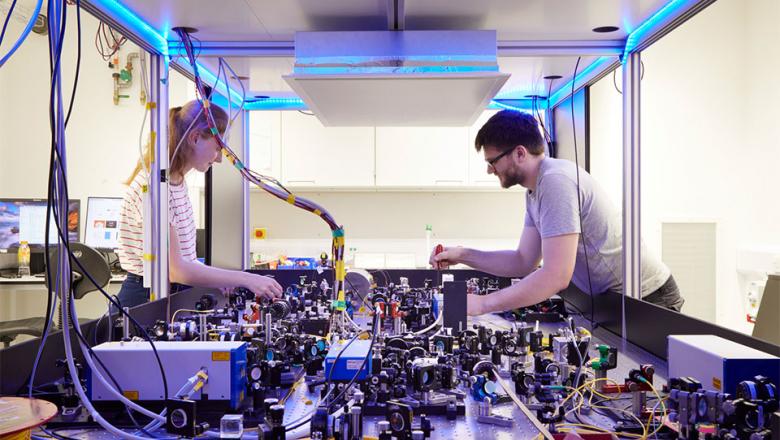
[560,254]
[508,263]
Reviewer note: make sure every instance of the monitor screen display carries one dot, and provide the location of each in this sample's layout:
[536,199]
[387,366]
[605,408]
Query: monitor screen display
[25,220]
[102,225]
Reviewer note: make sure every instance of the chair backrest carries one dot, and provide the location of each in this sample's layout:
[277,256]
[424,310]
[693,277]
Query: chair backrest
[91,260]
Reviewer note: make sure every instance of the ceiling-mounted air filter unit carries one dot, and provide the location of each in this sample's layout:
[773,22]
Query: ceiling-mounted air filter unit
[396,78]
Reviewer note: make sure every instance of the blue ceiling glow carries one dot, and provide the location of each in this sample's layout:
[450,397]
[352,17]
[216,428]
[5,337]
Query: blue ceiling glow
[133,22]
[276,104]
[563,91]
[650,24]
[521,105]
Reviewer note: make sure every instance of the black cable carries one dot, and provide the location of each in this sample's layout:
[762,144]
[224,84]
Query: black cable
[7,19]
[78,62]
[579,196]
[55,158]
[354,378]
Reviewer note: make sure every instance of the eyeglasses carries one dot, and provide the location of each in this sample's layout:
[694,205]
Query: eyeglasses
[493,161]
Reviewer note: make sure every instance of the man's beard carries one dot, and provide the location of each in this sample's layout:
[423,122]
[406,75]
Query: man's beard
[511,178]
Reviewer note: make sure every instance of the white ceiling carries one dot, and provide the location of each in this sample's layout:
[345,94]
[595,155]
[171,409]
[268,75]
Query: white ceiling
[514,20]
[278,20]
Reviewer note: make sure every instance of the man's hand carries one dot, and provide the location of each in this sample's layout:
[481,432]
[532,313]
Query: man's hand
[447,257]
[475,305]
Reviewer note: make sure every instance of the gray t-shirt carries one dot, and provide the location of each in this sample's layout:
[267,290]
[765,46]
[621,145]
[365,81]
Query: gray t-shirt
[552,209]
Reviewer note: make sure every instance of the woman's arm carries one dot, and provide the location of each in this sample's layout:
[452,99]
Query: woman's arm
[192,273]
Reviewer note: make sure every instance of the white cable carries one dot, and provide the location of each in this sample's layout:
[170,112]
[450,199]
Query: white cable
[75,376]
[96,372]
[352,322]
[437,322]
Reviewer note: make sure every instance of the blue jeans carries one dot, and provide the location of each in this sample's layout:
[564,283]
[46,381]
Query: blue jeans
[133,292]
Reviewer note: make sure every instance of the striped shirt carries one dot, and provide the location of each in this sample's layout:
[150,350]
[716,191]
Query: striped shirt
[131,229]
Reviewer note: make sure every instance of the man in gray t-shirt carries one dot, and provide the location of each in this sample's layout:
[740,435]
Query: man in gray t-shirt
[580,238]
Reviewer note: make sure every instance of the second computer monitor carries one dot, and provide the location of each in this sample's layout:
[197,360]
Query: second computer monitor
[102,224]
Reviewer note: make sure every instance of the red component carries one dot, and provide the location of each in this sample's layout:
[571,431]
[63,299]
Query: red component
[255,316]
[632,382]
[437,250]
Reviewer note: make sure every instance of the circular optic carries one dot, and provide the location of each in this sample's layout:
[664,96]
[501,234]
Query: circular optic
[605,29]
[256,373]
[178,418]
[551,77]
[397,422]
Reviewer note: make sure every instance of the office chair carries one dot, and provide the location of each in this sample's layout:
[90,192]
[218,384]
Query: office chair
[91,260]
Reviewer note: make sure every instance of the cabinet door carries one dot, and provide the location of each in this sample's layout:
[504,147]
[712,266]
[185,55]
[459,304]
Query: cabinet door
[314,155]
[478,175]
[265,142]
[421,156]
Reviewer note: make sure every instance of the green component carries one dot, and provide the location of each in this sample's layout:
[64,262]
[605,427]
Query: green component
[125,75]
[339,305]
[428,228]
[338,232]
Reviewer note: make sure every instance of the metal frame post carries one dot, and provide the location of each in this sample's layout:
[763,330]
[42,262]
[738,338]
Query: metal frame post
[632,281]
[245,194]
[158,179]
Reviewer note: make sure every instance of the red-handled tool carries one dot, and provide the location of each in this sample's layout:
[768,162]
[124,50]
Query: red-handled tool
[442,265]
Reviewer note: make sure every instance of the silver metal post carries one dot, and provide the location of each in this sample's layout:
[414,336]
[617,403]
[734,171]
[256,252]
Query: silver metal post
[632,281]
[158,179]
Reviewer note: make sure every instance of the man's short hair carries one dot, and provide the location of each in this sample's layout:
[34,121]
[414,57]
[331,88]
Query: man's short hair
[509,128]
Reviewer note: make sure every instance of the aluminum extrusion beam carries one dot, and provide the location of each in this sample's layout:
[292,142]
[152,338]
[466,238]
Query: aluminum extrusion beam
[158,185]
[632,281]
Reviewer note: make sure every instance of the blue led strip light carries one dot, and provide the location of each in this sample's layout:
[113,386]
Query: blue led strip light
[669,10]
[664,14]
[276,104]
[133,22]
[582,77]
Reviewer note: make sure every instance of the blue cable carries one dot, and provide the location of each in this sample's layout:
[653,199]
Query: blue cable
[7,19]
[25,33]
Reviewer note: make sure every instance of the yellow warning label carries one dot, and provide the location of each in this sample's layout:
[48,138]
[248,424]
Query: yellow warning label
[220,355]
[716,383]
[132,395]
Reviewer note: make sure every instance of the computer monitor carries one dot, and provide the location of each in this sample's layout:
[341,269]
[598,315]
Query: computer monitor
[25,220]
[102,225]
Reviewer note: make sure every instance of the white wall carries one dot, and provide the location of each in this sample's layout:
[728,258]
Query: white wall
[102,139]
[390,222]
[709,136]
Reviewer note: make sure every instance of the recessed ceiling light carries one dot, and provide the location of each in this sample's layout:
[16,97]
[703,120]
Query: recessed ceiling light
[186,29]
[551,77]
[605,29]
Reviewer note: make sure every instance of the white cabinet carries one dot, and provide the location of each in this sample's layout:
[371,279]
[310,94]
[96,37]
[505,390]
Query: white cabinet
[421,156]
[265,143]
[316,156]
[477,167]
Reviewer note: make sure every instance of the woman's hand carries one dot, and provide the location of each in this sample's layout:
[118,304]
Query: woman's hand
[262,287]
